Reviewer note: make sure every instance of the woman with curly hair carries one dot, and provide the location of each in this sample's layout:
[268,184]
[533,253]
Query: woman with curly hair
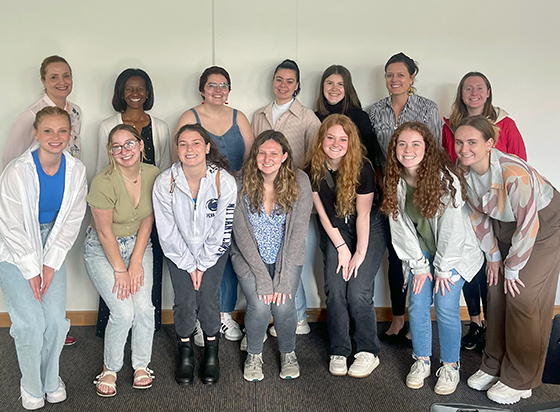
[432,235]
[353,236]
[269,228]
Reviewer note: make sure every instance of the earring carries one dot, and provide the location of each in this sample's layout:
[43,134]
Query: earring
[411,90]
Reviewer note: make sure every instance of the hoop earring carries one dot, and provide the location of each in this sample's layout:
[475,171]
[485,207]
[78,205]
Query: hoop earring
[411,90]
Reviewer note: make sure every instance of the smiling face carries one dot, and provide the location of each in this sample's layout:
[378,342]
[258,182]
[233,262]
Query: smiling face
[284,85]
[472,150]
[57,81]
[135,92]
[53,134]
[270,158]
[216,90]
[192,150]
[410,150]
[398,79]
[333,88]
[474,94]
[128,156]
[335,145]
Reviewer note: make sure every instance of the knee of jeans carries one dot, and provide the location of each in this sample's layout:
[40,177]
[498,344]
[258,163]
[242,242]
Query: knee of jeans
[123,317]
[360,299]
[27,331]
[144,312]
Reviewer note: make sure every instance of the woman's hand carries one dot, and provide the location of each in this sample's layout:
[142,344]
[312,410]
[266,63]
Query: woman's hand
[355,263]
[136,273]
[35,284]
[418,282]
[510,285]
[344,257]
[266,298]
[280,298]
[48,274]
[122,285]
[196,277]
[443,283]
[493,269]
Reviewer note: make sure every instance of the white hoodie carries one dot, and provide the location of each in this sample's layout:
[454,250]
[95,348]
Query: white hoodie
[194,235]
[20,233]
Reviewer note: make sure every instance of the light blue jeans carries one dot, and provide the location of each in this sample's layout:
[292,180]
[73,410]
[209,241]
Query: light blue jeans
[38,329]
[447,314]
[136,312]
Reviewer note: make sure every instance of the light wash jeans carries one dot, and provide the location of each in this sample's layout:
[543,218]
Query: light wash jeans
[38,329]
[448,318]
[136,312]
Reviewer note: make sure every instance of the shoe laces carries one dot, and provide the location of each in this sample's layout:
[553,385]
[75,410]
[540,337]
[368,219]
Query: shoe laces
[254,361]
[198,328]
[363,357]
[290,358]
[337,358]
[419,367]
[446,372]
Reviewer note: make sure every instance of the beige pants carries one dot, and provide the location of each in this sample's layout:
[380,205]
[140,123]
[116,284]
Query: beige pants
[519,327]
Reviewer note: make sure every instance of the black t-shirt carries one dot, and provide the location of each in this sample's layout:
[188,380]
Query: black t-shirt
[366,185]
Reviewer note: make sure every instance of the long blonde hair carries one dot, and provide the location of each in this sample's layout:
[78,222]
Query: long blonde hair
[286,187]
[350,166]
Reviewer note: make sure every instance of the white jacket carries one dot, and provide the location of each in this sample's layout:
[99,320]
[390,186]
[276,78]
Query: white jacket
[456,242]
[194,236]
[20,234]
[160,136]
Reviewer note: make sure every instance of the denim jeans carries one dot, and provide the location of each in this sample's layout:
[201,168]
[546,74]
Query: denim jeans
[350,303]
[257,315]
[38,329]
[191,304]
[136,312]
[301,303]
[228,289]
[447,314]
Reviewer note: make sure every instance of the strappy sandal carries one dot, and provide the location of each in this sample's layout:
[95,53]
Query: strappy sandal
[149,375]
[111,385]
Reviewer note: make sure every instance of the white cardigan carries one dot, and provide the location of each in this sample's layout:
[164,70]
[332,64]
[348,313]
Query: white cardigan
[456,242]
[160,135]
[20,233]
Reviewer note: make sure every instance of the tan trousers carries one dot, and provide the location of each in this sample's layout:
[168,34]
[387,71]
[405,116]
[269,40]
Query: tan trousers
[519,327]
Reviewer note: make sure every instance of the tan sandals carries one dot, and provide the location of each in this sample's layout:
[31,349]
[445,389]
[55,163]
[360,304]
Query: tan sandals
[111,385]
[137,378]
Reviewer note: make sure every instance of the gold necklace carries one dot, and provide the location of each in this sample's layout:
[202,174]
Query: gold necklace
[135,180]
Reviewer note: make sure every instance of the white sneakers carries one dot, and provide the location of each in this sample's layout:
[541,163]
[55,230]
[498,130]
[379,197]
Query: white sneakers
[289,366]
[302,329]
[448,379]
[59,395]
[230,328]
[481,381]
[198,335]
[363,366]
[32,403]
[252,370]
[419,371]
[497,391]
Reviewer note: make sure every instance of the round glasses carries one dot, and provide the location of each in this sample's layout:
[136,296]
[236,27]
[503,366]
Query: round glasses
[129,145]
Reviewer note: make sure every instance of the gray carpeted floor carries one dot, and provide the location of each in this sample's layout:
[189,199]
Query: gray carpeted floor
[315,390]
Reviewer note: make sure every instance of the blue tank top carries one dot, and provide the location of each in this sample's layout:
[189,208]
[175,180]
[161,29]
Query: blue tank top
[51,189]
[231,143]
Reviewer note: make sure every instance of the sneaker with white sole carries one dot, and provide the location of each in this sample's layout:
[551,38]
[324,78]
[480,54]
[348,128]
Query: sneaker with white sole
[289,368]
[481,381]
[363,365]
[243,345]
[448,379]
[59,395]
[419,371]
[198,335]
[503,394]
[252,370]
[302,329]
[29,401]
[338,365]
[230,328]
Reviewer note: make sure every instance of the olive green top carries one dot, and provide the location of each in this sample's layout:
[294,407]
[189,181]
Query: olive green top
[423,227]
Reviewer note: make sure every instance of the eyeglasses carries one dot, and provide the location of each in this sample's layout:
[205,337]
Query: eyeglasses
[130,145]
[212,86]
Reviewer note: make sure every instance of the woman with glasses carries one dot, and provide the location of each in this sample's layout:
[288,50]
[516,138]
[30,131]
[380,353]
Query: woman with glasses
[231,131]
[118,255]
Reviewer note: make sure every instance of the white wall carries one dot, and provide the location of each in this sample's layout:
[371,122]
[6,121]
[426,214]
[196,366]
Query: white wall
[514,43]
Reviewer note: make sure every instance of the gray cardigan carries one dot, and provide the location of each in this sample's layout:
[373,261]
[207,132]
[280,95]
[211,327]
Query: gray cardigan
[245,255]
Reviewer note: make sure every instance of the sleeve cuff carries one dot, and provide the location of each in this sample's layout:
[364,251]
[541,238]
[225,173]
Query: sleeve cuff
[493,257]
[511,274]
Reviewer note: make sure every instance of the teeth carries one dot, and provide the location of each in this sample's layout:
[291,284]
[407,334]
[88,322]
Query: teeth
[135,100]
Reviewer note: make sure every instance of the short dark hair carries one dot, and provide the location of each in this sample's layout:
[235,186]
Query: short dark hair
[212,70]
[410,64]
[214,156]
[118,95]
[290,65]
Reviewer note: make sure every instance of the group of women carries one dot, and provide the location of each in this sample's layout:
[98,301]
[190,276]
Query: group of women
[376,182]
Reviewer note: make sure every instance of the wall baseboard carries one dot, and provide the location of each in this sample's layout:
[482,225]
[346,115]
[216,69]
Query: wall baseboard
[89,318]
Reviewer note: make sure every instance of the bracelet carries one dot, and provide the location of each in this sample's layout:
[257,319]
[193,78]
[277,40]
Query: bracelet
[120,271]
[342,244]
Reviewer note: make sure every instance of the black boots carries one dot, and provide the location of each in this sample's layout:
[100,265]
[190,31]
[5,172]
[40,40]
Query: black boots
[185,367]
[210,366]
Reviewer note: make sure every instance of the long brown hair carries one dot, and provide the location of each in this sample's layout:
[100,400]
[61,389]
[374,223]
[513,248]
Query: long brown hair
[435,175]
[214,156]
[350,166]
[350,101]
[460,110]
[286,187]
